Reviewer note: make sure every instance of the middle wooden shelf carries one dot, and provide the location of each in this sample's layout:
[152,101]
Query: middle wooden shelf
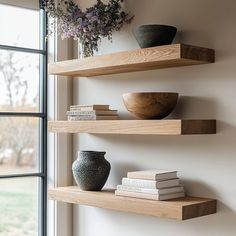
[149,127]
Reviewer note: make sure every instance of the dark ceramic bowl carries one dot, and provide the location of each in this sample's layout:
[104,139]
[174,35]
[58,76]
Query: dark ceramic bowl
[154,35]
[150,105]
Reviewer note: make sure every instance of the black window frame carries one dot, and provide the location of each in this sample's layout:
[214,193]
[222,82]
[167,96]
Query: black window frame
[42,115]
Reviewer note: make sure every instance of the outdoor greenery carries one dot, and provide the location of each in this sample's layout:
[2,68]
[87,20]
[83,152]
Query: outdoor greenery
[18,207]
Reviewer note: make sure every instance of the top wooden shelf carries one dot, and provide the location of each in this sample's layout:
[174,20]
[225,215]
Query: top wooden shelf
[173,55]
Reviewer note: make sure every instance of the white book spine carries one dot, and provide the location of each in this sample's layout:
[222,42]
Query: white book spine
[151,191]
[156,197]
[77,118]
[136,189]
[153,184]
[139,183]
[82,109]
[76,113]
[88,117]
[168,183]
[89,107]
[94,113]
[152,175]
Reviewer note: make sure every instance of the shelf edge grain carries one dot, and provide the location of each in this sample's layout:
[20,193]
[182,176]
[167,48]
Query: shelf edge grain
[205,208]
[198,127]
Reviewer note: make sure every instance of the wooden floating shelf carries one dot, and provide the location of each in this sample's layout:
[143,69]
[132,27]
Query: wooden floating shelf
[173,55]
[151,127]
[180,209]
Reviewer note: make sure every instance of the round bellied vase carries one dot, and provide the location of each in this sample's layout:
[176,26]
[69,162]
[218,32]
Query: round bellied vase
[91,170]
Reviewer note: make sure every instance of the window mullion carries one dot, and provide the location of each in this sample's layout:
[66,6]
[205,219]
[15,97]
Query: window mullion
[21,49]
[23,114]
[43,122]
[41,174]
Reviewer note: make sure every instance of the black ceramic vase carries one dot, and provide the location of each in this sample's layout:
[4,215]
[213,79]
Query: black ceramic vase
[154,35]
[91,170]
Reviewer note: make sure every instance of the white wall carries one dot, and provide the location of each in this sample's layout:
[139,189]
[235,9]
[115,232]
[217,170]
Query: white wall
[206,163]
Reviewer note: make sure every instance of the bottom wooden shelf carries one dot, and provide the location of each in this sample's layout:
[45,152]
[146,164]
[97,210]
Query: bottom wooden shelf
[181,209]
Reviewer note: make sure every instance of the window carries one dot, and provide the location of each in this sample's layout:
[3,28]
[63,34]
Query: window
[23,121]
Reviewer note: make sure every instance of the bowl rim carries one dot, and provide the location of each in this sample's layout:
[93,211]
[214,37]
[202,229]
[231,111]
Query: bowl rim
[153,93]
[91,152]
[156,25]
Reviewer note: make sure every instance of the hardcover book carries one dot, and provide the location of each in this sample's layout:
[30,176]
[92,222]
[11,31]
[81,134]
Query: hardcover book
[151,191]
[149,196]
[152,174]
[89,107]
[93,112]
[153,184]
[91,117]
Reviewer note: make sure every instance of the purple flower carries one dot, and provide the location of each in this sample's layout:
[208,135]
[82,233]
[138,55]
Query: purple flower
[96,22]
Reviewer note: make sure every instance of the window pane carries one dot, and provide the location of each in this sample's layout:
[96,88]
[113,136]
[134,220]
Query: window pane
[19,81]
[19,27]
[19,208]
[19,145]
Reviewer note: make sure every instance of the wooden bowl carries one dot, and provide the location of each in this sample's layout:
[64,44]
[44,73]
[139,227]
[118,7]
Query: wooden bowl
[150,105]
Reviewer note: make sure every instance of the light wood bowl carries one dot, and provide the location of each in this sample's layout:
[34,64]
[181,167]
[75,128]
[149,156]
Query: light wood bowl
[154,105]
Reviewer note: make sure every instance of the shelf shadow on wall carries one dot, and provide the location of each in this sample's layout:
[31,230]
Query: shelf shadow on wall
[121,170]
[192,188]
[189,107]
[225,216]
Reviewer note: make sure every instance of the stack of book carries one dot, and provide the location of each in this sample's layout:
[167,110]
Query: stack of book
[151,184]
[91,112]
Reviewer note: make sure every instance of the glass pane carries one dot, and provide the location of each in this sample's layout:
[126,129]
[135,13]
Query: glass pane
[19,27]
[19,81]
[19,208]
[19,145]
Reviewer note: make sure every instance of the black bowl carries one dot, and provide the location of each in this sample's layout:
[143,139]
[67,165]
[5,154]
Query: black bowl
[154,35]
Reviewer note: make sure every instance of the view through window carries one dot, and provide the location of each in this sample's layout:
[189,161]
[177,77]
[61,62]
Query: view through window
[22,122]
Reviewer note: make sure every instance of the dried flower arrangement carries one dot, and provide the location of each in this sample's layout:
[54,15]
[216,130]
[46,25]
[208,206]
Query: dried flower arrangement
[89,26]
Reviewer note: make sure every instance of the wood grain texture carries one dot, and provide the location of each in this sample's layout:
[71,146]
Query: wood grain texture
[173,55]
[151,127]
[180,209]
[198,126]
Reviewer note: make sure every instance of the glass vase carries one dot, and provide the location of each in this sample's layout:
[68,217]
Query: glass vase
[85,51]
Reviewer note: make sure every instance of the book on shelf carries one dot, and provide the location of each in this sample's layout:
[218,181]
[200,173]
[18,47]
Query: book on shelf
[157,197]
[92,112]
[153,184]
[152,174]
[91,117]
[95,107]
[175,189]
